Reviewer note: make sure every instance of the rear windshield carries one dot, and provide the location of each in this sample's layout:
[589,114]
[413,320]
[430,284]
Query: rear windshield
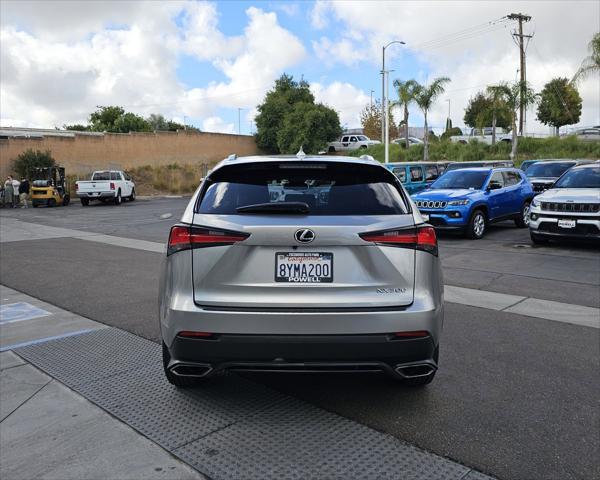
[327,188]
[458,179]
[456,166]
[101,176]
[542,169]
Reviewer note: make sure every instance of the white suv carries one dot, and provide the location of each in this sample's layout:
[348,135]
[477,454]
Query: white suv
[570,209]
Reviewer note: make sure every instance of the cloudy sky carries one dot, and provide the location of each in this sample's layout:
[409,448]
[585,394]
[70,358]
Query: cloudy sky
[205,60]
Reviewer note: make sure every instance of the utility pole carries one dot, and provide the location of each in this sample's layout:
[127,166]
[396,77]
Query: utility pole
[239,121]
[384,100]
[521,43]
[371,99]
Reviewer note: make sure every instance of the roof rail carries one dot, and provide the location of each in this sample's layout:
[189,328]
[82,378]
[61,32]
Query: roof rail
[233,156]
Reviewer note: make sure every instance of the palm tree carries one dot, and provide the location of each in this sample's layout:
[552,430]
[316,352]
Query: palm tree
[406,95]
[425,95]
[515,95]
[591,63]
[495,94]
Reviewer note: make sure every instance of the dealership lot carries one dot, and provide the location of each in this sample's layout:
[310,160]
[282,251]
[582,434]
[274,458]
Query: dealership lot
[516,393]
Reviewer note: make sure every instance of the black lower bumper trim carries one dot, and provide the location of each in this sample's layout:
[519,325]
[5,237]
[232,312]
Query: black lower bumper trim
[302,352]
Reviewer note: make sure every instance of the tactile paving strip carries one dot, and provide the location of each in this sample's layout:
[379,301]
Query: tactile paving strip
[231,427]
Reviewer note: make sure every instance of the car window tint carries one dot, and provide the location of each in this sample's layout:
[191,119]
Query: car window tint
[327,189]
[98,176]
[353,139]
[431,172]
[510,178]
[416,174]
[344,139]
[400,172]
[497,180]
[580,178]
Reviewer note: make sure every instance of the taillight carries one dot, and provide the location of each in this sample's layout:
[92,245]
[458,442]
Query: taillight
[191,334]
[415,334]
[112,185]
[76,187]
[421,238]
[184,238]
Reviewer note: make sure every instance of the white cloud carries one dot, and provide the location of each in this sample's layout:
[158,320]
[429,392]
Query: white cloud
[48,80]
[319,14]
[343,97]
[217,124]
[477,56]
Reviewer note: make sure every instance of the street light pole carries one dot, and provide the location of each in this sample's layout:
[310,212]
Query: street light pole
[384,102]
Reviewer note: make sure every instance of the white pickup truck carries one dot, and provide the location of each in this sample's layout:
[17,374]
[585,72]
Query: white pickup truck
[351,142]
[483,135]
[106,185]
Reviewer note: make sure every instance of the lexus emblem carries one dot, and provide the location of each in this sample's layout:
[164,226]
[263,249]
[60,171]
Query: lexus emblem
[304,236]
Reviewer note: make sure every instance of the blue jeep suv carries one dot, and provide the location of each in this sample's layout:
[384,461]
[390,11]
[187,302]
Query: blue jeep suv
[470,199]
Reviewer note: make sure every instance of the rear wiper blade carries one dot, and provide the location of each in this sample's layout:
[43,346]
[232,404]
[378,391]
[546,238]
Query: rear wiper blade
[275,207]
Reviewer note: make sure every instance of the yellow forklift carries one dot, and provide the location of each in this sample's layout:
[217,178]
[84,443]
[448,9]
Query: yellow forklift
[49,187]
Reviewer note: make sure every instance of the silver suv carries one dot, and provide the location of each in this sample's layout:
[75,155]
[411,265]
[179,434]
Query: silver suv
[301,264]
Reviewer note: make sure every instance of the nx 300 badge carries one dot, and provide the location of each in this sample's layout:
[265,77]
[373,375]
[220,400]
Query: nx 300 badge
[391,290]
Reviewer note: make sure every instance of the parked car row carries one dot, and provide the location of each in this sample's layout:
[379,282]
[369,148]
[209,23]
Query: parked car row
[470,199]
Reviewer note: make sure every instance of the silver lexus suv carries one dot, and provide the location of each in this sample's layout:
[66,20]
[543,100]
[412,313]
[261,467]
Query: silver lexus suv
[301,263]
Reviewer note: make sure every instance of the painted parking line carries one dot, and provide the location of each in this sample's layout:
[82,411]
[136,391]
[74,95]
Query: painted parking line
[19,312]
[46,339]
[562,312]
[480,298]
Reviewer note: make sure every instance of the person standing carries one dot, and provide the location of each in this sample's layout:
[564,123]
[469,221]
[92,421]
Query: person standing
[9,192]
[24,192]
[16,200]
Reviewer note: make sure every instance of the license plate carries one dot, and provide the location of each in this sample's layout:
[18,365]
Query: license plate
[304,267]
[567,223]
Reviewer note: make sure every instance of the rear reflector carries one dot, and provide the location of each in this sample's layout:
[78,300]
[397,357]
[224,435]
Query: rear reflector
[189,334]
[421,238]
[183,237]
[415,334]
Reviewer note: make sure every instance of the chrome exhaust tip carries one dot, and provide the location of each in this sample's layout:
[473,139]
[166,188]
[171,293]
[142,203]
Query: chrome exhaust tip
[191,370]
[415,369]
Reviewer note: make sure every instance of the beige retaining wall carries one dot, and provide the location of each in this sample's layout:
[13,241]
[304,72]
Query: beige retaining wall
[82,153]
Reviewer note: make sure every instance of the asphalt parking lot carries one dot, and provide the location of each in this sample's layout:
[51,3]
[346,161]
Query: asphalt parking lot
[515,397]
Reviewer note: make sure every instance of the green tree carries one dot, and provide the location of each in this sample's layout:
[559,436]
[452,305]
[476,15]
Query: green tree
[104,119]
[481,108]
[498,108]
[406,91]
[370,119]
[452,131]
[78,127]
[515,95]
[425,96]
[591,63]
[560,104]
[157,122]
[130,122]
[277,104]
[309,126]
[27,161]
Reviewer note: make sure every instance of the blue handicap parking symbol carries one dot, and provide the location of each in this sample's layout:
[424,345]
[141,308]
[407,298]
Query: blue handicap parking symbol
[17,312]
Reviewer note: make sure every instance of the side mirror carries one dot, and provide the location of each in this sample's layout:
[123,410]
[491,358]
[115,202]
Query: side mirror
[493,186]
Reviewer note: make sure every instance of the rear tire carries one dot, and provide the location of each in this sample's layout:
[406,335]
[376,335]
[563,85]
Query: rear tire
[522,220]
[85,202]
[477,225]
[331,150]
[66,200]
[51,203]
[181,382]
[132,196]
[118,199]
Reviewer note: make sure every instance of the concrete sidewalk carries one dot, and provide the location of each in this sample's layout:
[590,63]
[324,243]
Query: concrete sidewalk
[48,431]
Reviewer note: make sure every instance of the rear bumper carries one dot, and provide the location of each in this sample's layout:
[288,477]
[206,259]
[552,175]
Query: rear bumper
[93,195]
[302,353]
